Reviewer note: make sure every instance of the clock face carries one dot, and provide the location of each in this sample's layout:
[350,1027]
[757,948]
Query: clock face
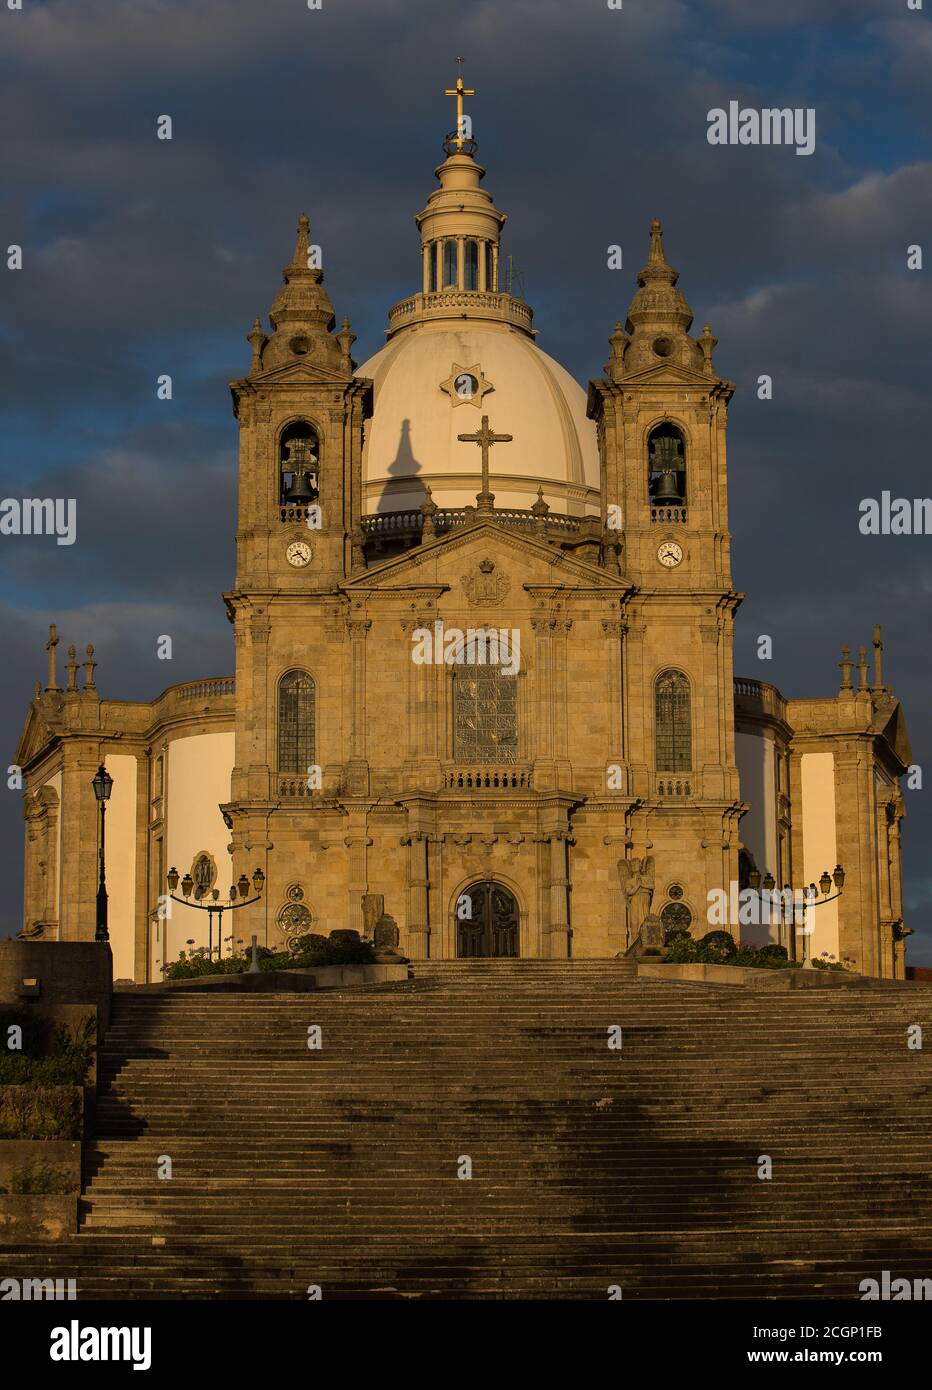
[670,554]
[298,553]
[465,385]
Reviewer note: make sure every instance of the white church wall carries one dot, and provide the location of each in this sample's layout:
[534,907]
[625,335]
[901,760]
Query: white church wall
[820,849]
[121,862]
[197,780]
[757,772]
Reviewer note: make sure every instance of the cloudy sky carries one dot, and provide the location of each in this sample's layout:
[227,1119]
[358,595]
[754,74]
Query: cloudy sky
[144,257]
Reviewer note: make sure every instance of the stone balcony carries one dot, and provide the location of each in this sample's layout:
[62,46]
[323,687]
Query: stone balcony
[454,304]
[395,531]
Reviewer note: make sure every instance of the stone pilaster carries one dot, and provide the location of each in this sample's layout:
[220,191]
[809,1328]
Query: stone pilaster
[357,844]
[613,630]
[263,730]
[418,933]
[357,774]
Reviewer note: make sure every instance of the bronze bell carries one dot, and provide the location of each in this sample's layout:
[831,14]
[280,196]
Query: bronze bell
[300,494]
[668,488]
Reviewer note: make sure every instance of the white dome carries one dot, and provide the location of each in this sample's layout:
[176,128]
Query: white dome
[411,441]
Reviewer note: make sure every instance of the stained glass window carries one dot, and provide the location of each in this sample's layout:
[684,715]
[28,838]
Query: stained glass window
[485,714]
[295,722]
[676,917]
[674,730]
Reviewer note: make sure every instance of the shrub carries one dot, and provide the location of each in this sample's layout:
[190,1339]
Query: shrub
[313,950]
[828,962]
[52,1055]
[720,941]
[37,1029]
[40,1112]
[309,943]
[192,967]
[774,952]
[39,1177]
[687,951]
[764,958]
[344,936]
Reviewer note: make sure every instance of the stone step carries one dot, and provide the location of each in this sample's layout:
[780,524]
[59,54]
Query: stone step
[639,1167]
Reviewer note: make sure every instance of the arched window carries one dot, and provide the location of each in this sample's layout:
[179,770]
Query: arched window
[673,723]
[488,267]
[295,722]
[485,713]
[433,268]
[472,265]
[666,466]
[449,265]
[299,452]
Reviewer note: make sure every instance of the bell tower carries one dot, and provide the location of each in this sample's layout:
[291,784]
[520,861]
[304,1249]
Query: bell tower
[300,413]
[661,413]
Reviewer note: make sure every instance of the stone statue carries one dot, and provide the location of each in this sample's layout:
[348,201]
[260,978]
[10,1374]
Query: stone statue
[386,937]
[636,879]
[373,905]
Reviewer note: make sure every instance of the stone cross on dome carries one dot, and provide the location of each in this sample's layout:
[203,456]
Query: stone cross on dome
[485,438]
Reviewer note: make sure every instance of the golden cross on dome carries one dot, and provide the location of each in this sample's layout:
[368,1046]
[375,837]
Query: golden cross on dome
[459,91]
[485,438]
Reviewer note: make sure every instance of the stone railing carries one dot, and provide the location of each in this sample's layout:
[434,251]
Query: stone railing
[487,779]
[207,690]
[672,516]
[451,303]
[294,513]
[290,785]
[674,786]
[760,698]
[408,524]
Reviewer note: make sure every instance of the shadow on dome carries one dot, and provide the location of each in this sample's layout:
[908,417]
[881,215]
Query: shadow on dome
[405,465]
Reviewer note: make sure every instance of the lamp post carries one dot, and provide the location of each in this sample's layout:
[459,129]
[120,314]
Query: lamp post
[102,783]
[214,905]
[812,900]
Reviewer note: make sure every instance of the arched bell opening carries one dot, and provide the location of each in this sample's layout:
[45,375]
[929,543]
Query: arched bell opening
[666,466]
[299,465]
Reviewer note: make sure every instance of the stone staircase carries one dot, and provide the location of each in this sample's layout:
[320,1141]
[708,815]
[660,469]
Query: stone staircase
[591,1167]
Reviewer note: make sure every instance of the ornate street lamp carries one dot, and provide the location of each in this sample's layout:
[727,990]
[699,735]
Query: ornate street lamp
[213,903]
[826,882]
[812,900]
[102,783]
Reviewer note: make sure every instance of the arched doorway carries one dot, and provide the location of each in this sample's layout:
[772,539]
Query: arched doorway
[487,917]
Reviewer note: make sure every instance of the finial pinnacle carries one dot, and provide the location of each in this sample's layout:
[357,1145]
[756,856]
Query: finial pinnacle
[299,260]
[89,666]
[878,659]
[50,647]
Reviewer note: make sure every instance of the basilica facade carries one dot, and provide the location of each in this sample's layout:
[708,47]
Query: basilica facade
[483,626]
